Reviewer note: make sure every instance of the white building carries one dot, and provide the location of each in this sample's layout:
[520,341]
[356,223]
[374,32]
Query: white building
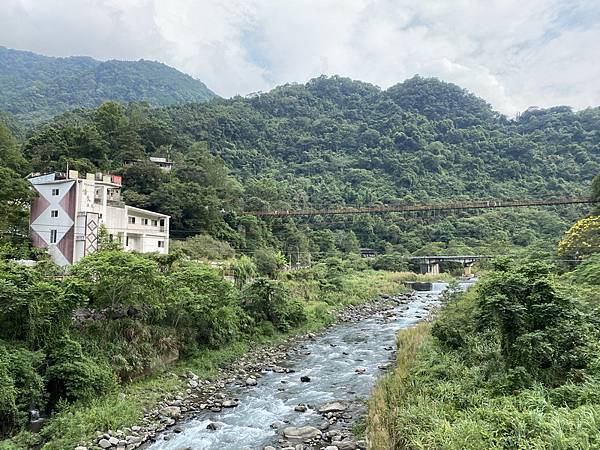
[163,163]
[69,210]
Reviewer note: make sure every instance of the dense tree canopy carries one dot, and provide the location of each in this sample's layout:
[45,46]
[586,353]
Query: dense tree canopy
[36,87]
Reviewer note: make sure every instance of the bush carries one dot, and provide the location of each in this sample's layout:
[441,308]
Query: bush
[266,299]
[202,301]
[394,262]
[204,246]
[268,262]
[73,376]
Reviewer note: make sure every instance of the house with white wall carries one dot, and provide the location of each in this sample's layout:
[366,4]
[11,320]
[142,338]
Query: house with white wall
[68,211]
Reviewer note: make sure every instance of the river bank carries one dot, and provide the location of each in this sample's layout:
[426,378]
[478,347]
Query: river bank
[312,398]
[214,395]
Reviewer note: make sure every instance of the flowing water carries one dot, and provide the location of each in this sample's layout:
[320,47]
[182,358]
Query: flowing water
[330,361]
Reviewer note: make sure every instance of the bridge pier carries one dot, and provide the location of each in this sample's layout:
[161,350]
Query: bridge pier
[467,269]
[430,268]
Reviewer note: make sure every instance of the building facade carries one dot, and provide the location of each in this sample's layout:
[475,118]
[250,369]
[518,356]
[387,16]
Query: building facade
[69,210]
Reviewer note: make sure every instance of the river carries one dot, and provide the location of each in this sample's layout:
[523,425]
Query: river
[330,361]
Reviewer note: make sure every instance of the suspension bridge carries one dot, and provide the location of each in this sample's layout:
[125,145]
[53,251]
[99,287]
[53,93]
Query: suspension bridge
[382,209]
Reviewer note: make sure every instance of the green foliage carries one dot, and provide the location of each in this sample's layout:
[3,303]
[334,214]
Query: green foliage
[117,279]
[513,363]
[36,87]
[73,376]
[200,300]
[268,262]
[244,270]
[588,272]
[32,309]
[21,385]
[395,262]
[204,246]
[266,299]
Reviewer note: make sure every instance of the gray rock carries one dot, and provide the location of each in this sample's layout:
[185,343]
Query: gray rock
[213,426]
[113,441]
[360,370]
[103,443]
[346,445]
[81,447]
[333,407]
[171,411]
[301,433]
[268,447]
[300,408]
[230,403]
[331,447]
[251,381]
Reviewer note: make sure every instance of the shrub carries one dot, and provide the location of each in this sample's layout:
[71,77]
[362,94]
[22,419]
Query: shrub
[204,246]
[266,299]
[395,262]
[201,300]
[268,262]
[73,376]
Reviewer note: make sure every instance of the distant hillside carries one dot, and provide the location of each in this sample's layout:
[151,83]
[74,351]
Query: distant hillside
[35,87]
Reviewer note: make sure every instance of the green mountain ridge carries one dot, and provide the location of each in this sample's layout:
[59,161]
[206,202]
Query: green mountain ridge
[35,87]
[337,142]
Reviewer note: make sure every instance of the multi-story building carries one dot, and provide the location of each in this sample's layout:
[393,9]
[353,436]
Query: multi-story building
[68,211]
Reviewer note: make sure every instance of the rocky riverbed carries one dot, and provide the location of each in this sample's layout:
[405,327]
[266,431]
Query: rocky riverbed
[305,393]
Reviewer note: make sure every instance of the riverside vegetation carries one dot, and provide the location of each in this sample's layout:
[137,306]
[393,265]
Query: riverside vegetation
[70,344]
[513,363]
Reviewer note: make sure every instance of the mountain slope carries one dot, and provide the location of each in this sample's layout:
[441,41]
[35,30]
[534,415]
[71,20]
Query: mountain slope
[336,142]
[35,87]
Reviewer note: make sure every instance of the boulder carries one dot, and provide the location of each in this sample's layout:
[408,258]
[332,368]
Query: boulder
[230,403]
[360,370]
[304,379]
[251,382]
[214,426]
[346,445]
[300,408]
[173,412]
[103,443]
[333,407]
[301,433]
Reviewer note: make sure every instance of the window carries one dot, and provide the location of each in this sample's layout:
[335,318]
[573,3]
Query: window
[131,219]
[53,236]
[54,213]
[161,244]
[55,192]
[144,221]
[154,223]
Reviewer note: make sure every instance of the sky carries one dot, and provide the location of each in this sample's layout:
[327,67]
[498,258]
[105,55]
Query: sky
[513,53]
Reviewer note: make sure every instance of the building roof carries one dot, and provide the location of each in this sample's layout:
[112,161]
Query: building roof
[156,159]
[145,211]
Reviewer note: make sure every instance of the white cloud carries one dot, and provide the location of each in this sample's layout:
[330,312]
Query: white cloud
[513,53]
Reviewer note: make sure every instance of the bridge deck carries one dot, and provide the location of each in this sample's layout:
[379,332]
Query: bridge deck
[425,207]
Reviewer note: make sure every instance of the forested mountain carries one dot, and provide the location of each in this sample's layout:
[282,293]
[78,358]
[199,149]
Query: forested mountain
[334,142]
[36,87]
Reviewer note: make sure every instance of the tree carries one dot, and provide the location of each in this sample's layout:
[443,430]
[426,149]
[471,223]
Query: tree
[15,196]
[118,279]
[543,332]
[266,299]
[582,239]
[200,299]
[268,262]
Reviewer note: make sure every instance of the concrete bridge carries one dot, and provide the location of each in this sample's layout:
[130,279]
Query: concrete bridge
[431,264]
